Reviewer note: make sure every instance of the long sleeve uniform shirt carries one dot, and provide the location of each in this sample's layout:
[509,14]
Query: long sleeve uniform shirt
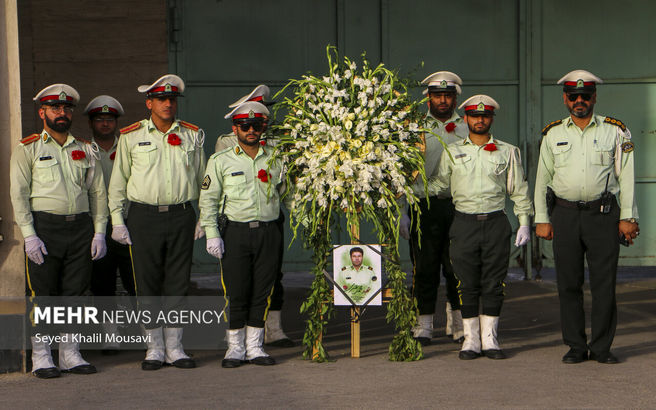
[575,163]
[480,179]
[45,177]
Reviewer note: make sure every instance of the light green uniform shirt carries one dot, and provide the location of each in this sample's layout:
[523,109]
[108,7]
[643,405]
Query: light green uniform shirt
[434,148]
[45,177]
[357,283]
[233,174]
[575,164]
[149,170]
[106,161]
[480,179]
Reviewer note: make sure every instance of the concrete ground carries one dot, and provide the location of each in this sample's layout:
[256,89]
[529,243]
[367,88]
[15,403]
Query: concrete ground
[532,377]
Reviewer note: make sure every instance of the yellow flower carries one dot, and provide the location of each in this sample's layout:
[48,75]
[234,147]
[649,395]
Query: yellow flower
[351,116]
[348,124]
[356,143]
[375,138]
[314,127]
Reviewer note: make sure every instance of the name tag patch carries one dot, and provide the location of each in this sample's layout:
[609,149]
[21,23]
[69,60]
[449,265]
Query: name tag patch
[234,174]
[562,143]
[460,156]
[45,158]
[141,144]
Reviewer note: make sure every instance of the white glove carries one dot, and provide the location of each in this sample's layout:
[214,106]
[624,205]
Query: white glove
[199,232]
[215,247]
[121,235]
[404,228]
[523,236]
[98,246]
[35,249]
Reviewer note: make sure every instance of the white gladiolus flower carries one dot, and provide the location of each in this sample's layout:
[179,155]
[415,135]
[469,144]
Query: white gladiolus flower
[348,124]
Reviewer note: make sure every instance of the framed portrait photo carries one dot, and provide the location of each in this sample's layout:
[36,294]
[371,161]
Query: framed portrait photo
[357,271]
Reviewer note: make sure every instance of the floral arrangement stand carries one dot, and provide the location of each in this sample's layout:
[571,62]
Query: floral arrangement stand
[351,143]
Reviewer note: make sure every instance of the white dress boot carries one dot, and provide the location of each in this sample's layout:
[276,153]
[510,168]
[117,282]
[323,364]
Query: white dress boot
[155,355]
[273,334]
[42,364]
[471,347]
[236,353]
[175,354]
[254,352]
[458,332]
[489,326]
[70,359]
[423,331]
[449,320]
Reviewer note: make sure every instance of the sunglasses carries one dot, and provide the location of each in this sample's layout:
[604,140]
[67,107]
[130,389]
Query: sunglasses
[574,97]
[257,126]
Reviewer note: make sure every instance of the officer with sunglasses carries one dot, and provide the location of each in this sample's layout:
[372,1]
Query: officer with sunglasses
[241,184]
[586,172]
[273,333]
[157,173]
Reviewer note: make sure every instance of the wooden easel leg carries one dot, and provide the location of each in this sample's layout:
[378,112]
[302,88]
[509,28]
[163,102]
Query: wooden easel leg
[355,332]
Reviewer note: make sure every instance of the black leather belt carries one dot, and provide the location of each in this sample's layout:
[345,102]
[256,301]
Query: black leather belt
[161,208]
[578,204]
[251,225]
[480,217]
[46,216]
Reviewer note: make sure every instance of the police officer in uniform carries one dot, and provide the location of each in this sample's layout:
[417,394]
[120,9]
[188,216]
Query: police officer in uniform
[432,255]
[240,182]
[158,170]
[357,279]
[586,160]
[60,205]
[103,112]
[273,333]
[482,172]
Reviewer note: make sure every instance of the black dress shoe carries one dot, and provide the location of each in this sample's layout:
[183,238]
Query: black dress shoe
[47,373]
[263,361]
[231,363]
[468,355]
[606,358]
[575,356]
[185,363]
[285,342]
[460,340]
[496,354]
[424,341]
[82,369]
[151,365]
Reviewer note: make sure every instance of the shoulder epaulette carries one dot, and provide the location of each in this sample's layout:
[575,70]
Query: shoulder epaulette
[188,125]
[549,126]
[30,139]
[131,128]
[615,122]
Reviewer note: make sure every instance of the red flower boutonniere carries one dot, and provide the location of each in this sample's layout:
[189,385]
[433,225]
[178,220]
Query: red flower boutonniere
[112,156]
[490,147]
[450,127]
[345,287]
[173,139]
[262,142]
[263,175]
[77,154]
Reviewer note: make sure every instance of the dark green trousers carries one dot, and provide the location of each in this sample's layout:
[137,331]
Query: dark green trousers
[588,234]
[432,255]
[480,248]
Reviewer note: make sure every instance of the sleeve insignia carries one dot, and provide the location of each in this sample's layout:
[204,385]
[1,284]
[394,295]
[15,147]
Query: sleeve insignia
[616,123]
[30,139]
[627,147]
[206,182]
[188,125]
[549,126]
[131,128]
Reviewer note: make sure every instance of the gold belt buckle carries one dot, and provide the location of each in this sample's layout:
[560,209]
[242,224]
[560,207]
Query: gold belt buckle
[254,224]
[69,218]
[163,208]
